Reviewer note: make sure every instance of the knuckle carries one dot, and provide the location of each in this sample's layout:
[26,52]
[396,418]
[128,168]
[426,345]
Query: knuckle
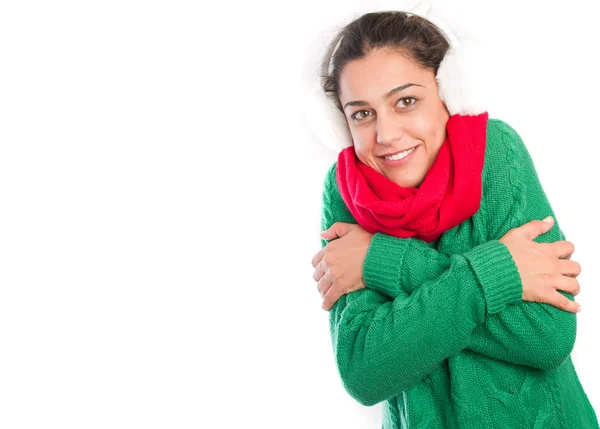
[335,273]
[547,278]
[321,287]
[550,265]
[557,302]
[565,303]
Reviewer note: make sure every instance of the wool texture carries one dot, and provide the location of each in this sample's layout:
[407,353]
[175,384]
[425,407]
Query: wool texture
[441,336]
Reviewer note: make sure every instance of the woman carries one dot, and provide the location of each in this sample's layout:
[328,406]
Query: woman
[441,304]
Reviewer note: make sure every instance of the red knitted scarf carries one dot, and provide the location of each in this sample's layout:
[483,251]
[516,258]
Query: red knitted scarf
[449,194]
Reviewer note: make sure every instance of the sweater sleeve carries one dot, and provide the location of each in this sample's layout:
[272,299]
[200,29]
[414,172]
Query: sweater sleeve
[533,334]
[384,346]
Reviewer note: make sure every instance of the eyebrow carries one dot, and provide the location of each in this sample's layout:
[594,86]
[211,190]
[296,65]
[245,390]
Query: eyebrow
[385,97]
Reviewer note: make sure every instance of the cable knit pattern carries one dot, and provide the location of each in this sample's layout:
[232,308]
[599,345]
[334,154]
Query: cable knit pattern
[515,174]
[441,335]
[516,171]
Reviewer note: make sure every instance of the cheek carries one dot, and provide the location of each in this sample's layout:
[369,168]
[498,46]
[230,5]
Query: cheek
[425,128]
[431,128]
[362,143]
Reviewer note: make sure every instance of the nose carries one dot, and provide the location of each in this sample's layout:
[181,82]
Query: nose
[390,128]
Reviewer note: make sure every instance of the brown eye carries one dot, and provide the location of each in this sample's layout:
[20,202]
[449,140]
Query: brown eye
[406,102]
[359,115]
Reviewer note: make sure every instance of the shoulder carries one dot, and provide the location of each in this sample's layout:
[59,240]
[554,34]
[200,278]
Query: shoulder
[330,187]
[502,141]
[333,207]
[511,189]
[505,155]
[331,192]
[330,176]
[502,176]
[496,125]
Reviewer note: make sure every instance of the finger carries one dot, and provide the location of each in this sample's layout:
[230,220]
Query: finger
[318,256]
[567,284]
[324,285]
[329,233]
[562,302]
[569,268]
[331,296]
[562,249]
[536,227]
[320,270]
[338,229]
[559,249]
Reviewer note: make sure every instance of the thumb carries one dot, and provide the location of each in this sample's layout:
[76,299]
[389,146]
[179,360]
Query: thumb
[537,227]
[338,229]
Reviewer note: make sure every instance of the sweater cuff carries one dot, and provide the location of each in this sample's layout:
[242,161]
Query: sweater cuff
[383,264]
[497,273]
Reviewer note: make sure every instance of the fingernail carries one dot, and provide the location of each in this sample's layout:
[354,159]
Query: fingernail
[578,308]
[548,219]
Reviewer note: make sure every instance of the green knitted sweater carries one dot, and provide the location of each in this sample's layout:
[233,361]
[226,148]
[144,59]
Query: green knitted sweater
[441,335]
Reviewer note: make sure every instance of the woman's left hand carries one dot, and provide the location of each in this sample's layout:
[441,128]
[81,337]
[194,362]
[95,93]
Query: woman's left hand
[339,265]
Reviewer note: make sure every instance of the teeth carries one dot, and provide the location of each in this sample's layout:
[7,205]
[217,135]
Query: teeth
[399,155]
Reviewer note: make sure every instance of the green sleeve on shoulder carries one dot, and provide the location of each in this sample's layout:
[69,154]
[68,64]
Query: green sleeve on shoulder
[534,334]
[333,208]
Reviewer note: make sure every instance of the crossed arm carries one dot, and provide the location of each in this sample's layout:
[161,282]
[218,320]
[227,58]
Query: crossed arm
[383,346]
[440,292]
[528,333]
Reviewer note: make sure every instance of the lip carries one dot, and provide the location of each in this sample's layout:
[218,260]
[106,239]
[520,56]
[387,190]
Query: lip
[398,162]
[395,153]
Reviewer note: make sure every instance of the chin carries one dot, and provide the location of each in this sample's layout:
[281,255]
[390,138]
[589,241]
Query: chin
[408,182]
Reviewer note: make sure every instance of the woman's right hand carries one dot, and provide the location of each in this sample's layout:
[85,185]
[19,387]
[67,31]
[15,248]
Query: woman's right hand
[542,271]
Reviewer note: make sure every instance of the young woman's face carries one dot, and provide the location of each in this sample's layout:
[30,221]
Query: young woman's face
[391,106]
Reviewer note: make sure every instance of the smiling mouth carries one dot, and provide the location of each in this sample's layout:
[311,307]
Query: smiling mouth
[399,155]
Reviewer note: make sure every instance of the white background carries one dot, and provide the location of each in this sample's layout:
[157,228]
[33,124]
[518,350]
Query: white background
[160,203]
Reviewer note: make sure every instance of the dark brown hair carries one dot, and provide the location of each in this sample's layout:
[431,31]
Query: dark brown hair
[398,31]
